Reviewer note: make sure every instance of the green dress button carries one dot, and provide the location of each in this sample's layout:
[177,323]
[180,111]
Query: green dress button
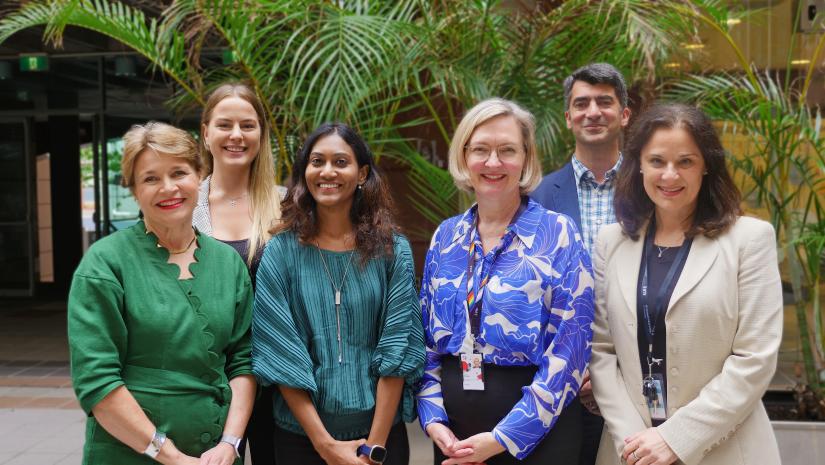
[205,438]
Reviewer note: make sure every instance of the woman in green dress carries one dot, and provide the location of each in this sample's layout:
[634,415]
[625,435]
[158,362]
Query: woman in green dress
[336,324]
[159,322]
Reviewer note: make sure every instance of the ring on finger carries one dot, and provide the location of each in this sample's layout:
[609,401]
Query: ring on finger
[635,457]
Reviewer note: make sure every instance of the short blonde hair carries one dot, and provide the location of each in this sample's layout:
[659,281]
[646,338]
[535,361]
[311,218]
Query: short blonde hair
[480,114]
[163,139]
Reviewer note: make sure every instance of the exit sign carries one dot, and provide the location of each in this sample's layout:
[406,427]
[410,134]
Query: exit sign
[38,62]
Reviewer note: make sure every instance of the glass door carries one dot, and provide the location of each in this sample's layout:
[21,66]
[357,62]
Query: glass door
[16,228]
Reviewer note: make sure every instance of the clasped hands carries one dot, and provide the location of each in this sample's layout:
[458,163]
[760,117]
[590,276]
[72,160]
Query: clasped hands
[647,447]
[473,450]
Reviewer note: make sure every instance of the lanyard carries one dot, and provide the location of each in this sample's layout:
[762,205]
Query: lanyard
[659,307]
[475,288]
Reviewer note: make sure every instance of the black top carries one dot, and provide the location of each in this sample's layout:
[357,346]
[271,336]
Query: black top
[658,268]
[242,247]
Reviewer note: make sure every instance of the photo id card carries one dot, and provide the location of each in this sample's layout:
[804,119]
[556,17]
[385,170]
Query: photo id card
[472,372]
[655,396]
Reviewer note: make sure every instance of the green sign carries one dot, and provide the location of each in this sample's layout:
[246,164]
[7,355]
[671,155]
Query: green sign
[34,63]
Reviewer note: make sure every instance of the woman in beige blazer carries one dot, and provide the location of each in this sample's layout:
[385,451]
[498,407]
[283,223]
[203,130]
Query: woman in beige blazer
[713,343]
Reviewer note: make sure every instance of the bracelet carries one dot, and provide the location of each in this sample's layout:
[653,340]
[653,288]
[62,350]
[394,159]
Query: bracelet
[153,449]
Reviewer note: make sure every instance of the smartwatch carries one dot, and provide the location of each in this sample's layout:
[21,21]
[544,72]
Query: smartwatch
[234,442]
[376,454]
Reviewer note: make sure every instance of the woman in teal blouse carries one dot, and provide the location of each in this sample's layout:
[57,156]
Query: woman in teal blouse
[335,320]
[159,323]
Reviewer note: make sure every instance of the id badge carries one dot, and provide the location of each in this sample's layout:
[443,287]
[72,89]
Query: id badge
[656,403]
[472,371]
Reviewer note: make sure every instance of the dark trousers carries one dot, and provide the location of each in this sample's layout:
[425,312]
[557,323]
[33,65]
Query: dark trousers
[297,449]
[260,430]
[473,412]
[591,436]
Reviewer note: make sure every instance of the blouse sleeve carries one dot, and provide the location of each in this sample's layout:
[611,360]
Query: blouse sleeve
[97,337]
[729,397]
[239,349]
[280,356]
[429,399]
[567,348]
[400,349]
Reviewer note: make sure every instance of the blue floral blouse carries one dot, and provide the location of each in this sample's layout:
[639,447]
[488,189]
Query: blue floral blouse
[537,309]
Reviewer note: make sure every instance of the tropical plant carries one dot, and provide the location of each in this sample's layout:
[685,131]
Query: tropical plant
[782,169]
[376,63]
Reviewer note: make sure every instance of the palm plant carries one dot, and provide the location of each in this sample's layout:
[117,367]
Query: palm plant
[375,63]
[783,169]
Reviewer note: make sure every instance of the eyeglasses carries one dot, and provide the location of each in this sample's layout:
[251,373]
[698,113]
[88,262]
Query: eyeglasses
[482,152]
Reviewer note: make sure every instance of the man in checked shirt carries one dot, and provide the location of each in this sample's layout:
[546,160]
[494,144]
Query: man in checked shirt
[595,98]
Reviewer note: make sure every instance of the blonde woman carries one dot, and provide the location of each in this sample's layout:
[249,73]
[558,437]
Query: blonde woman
[158,321]
[238,203]
[507,303]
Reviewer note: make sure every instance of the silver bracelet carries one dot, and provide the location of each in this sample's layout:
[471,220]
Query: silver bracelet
[153,449]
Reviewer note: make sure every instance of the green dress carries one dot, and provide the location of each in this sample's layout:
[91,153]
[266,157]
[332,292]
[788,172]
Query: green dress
[173,343]
[295,331]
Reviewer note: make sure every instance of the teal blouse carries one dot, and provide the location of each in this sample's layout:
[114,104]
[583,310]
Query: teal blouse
[173,343]
[294,331]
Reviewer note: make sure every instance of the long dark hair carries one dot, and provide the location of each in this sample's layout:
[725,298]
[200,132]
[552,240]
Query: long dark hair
[371,212]
[717,205]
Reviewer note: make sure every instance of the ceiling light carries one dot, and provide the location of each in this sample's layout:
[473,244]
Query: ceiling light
[733,21]
[800,62]
[693,46]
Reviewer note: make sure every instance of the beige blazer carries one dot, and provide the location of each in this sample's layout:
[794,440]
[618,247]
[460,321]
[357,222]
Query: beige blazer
[724,325]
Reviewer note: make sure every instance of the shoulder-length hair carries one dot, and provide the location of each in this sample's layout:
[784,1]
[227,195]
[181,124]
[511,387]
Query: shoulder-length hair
[371,211]
[481,113]
[263,195]
[718,200]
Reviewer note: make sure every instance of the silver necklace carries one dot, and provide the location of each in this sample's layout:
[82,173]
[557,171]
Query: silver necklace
[661,250]
[338,289]
[234,201]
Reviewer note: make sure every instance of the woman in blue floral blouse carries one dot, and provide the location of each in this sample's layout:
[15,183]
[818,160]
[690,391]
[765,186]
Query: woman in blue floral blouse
[507,307]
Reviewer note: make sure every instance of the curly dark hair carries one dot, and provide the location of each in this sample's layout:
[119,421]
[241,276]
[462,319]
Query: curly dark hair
[718,204]
[372,207]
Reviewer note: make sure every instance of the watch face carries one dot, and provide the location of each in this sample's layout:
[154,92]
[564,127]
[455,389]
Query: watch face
[378,454]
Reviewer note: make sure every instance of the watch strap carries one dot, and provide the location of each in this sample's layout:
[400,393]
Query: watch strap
[153,449]
[234,441]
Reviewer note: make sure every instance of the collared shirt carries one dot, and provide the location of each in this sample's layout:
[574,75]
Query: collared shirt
[595,200]
[537,309]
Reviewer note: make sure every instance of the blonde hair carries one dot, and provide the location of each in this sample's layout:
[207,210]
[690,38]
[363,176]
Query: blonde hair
[480,114]
[266,204]
[162,138]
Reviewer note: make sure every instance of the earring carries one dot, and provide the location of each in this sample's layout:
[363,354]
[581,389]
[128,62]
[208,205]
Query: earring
[705,173]
[641,172]
[360,186]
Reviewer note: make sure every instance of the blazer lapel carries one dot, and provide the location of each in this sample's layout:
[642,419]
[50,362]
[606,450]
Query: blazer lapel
[702,254]
[566,195]
[629,256]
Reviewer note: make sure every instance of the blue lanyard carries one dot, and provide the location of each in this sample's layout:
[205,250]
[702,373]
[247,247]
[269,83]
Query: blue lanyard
[660,306]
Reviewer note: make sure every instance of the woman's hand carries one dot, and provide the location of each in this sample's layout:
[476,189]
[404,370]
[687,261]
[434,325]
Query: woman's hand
[444,438]
[648,448]
[341,452]
[586,395]
[222,454]
[482,445]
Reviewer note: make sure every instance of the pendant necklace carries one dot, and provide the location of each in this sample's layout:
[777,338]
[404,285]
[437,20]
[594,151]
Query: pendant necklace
[175,252]
[338,289]
[661,250]
[234,201]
